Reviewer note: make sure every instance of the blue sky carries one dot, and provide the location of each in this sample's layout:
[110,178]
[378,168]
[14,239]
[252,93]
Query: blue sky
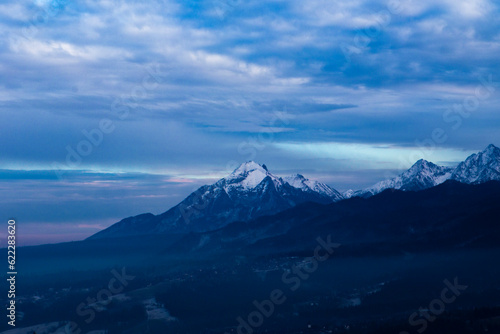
[115,108]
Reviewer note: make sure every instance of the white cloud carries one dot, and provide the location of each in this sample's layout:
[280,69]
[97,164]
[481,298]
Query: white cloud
[471,9]
[56,50]
[15,11]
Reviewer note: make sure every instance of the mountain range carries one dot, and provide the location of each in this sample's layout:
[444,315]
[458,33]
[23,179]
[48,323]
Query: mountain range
[452,214]
[251,191]
[207,262]
[477,168]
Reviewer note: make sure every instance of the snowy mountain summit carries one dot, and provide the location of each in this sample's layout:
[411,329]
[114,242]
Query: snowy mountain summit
[422,175]
[248,192]
[311,186]
[247,176]
[250,175]
[477,168]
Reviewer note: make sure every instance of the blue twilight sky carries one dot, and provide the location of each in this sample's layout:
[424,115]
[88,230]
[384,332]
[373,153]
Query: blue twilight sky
[115,108]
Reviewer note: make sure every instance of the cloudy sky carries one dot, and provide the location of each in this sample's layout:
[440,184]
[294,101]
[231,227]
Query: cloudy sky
[114,108]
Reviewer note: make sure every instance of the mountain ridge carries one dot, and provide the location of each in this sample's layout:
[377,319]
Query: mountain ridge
[477,168]
[403,218]
[251,191]
[248,192]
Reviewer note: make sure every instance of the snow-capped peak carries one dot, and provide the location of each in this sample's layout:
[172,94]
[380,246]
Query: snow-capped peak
[348,193]
[247,167]
[250,191]
[422,163]
[492,147]
[491,153]
[300,182]
[480,167]
[426,169]
[423,174]
[296,181]
[248,176]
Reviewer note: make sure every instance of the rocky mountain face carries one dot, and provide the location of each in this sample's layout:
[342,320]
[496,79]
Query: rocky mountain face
[479,168]
[251,191]
[248,192]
